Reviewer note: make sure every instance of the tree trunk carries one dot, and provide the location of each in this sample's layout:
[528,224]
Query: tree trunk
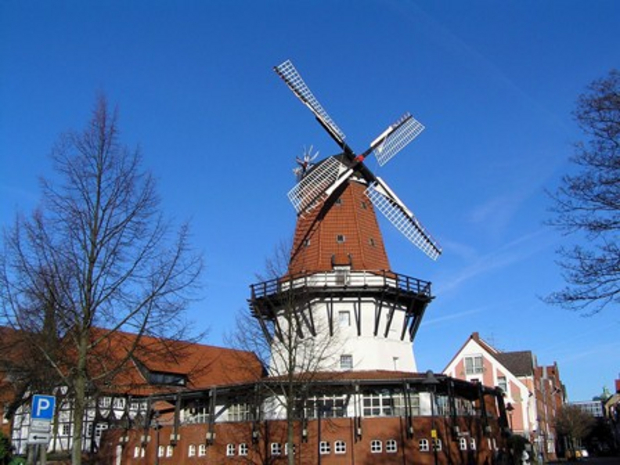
[79,402]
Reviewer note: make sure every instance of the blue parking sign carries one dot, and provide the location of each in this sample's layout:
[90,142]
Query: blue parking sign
[42,407]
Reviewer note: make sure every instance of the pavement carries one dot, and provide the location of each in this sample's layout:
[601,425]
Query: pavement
[590,461]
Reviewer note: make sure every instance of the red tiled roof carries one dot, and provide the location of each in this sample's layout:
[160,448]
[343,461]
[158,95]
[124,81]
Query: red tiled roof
[349,214]
[200,366]
[203,366]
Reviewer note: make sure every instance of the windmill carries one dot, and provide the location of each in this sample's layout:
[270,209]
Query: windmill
[321,182]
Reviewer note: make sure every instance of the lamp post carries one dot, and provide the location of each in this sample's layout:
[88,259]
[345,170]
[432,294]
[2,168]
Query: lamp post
[510,409]
[431,381]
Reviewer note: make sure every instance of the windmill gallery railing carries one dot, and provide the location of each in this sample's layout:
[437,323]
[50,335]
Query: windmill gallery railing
[344,279]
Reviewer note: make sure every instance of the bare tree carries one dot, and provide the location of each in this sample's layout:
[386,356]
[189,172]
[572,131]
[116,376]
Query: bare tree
[587,203]
[97,258]
[574,424]
[289,338]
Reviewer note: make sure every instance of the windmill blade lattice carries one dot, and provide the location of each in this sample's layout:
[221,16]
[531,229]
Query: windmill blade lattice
[407,129]
[307,192]
[320,182]
[294,81]
[404,221]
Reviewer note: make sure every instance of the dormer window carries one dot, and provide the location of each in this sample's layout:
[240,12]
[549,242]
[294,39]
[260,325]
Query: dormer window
[168,379]
[340,238]
[161,377]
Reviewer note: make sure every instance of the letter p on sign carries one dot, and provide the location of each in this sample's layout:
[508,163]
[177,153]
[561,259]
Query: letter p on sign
[43,407]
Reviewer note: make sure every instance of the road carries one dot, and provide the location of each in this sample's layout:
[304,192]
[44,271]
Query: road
[592,461]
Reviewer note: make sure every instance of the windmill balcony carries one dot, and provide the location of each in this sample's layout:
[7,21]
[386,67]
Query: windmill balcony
[379,284]
[343,279]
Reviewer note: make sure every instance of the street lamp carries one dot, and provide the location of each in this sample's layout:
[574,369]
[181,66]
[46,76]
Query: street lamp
[431,381]
[510,409]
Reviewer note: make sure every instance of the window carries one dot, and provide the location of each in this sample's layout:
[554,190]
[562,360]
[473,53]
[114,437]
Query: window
[340,238]
[344,317]
[462,443]
[230,450]
[414,405]
[105,402]
[376,446]
[340,447]
[169,451]
[66,430]
[99,429]
[160,451]
[437,444]
[423,445]
[364,206]
[276,448]
[391,446]
[346,362]
[382,404]
[162,378]
[202,450]
[239,412]
[119,403]
[464,407]
[371,241]
[324,448]
[307,243]
[473,365]
[329,406]
[243,449]
[502,383]
[191,450]
[338,201]
[197,415]
[286,449]
[136,451]
[472,443]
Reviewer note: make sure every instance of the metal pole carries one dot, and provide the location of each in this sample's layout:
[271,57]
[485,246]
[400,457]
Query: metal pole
[157,427]
[318,413]
[433,431]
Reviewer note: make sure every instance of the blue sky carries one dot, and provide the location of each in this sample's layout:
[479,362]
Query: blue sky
[493,82]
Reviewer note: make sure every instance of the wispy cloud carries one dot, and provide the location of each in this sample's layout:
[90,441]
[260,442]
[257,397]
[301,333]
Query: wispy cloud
[497,212]
[452,316]
[510,253]
[602,350]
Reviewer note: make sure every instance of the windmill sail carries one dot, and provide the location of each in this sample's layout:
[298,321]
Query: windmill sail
[308,192]
[401,217]
[398,136]
[318,184]
[293,80]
